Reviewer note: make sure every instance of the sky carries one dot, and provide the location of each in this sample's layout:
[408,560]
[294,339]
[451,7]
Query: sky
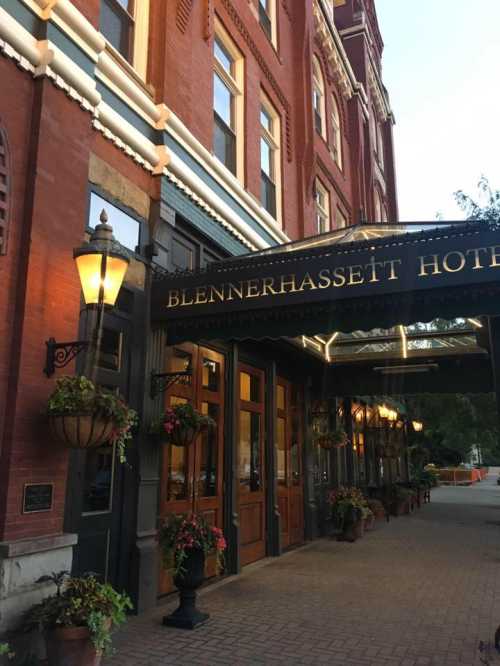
[441,66]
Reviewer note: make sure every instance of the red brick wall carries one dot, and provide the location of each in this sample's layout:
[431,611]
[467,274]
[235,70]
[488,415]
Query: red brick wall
[50,203]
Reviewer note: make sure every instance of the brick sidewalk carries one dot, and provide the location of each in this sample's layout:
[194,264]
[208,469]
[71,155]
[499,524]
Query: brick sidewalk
[424,589]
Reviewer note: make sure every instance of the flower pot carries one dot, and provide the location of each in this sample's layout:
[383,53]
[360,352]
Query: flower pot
[81,431]
[369,522]
[182,436]
[71,646]
[352,526]
[187,616]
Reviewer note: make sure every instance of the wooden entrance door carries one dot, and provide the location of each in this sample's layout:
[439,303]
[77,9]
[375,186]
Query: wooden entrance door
[289,462]
[192,477]
[252,490]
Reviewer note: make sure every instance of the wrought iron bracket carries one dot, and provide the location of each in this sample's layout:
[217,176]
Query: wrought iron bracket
[161,382]
[60,354]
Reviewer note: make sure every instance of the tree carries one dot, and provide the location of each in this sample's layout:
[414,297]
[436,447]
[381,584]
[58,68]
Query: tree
[487,205]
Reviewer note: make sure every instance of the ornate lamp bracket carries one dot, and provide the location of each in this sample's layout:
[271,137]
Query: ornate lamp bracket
[161,382]
[59,354]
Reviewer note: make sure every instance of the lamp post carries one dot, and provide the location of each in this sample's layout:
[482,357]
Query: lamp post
[102,264]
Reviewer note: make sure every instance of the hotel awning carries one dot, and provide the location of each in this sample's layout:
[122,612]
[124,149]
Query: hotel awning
[354,279]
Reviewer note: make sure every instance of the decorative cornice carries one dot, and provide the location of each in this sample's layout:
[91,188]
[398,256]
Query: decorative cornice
[243,30]
[327,36]
[376,92]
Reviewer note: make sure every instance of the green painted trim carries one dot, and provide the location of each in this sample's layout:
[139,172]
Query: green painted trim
[183,205]
[213,185]
[22,14]
[128,114]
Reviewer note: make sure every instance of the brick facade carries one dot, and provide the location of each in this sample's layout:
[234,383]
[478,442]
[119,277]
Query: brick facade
[53,130]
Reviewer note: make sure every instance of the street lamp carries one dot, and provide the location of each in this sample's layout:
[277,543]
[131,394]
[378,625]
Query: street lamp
[102,264]
[418,426]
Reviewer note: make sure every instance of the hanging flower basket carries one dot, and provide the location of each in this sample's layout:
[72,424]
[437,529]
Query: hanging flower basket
[180,425]
[81,431]
[334,439]
[83,416]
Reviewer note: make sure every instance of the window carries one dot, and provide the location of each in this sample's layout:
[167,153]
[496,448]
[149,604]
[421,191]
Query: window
[228,103]
[340,219]
[336,138]
[318,99]
[126,229]
[269,158]
[4,191]
[380,146]
[267,19]
[125,24]
[322,208]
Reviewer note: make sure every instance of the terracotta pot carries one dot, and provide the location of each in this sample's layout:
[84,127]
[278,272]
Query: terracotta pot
[71,646]
[81,431]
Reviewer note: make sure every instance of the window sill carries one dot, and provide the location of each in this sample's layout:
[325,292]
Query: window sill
[129,70]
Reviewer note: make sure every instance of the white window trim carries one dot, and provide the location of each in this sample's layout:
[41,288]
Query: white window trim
[274,140]
[336,134]
[319,84]
[322,211]
[140,38]
[236,86]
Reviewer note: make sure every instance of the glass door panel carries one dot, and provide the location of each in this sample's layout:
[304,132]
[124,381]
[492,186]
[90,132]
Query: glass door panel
[250,451]
[209,454]
[281,457]
[177,465]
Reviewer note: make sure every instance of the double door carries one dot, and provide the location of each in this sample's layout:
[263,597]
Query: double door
[289,429]
[192,477]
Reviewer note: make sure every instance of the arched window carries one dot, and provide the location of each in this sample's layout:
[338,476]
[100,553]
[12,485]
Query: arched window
[4,190]
[319,98]
[336,140]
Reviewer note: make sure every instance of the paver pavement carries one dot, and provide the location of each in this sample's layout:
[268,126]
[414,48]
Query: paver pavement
[421,590]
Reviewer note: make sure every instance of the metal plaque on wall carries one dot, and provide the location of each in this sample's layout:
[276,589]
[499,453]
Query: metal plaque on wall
[37,497]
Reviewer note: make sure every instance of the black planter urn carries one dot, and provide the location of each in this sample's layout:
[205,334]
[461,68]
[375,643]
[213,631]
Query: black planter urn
[187,616]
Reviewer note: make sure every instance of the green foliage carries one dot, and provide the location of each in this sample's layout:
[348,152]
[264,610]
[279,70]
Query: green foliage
[182,416]
[485,208]
[181,533]
[454,423]
[348,505]
[5,650]
[78,395]
[80,602]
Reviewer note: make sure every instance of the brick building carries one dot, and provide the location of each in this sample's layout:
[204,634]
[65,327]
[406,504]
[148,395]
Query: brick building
[206,129]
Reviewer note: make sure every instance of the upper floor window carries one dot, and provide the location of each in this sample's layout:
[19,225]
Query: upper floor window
[380,145]
[267,19]
[319,98]
[124,23]
[336,139]
[340,219]
[322,208]
[4,191]
[126,229]
[270,162]
[228,103]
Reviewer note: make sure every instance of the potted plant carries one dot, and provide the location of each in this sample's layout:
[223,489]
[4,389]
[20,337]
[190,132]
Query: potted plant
[377,508]
[180,424]
[331,439]
[82,415]
[5,652]
[77,620]
[185,542]
[401,500]
[368,518]
[347,505]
